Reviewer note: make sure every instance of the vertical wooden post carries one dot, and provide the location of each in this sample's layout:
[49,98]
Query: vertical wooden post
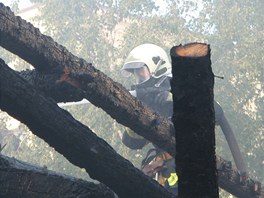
[194,121]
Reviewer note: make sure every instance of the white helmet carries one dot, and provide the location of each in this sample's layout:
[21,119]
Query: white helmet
[150,55]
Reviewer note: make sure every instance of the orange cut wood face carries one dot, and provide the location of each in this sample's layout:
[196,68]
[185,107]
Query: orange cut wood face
[192,50]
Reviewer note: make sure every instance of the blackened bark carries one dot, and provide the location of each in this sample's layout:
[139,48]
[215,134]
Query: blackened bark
[72,139]
[231,185]
[23,39]
[47,84]
[23,180]
[242,186]
[193,118]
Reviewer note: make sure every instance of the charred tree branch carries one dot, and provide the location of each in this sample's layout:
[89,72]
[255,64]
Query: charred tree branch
[242,186]
[21,179]
[24,40]
[73,139]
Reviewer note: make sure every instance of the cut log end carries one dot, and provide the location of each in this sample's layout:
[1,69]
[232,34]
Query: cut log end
[192,50]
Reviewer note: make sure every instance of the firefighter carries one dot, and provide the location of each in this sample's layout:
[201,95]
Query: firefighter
[151,67]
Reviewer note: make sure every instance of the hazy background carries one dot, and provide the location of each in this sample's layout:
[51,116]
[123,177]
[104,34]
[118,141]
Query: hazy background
[104,31]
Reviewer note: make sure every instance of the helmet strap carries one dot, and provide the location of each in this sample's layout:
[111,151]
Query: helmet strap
[161,80]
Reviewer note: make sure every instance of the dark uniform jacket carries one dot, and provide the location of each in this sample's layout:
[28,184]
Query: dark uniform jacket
[159,99]
[155,93]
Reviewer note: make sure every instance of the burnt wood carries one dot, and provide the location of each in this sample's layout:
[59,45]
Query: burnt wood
[194,121]
[47,56]
[57,80]
[22,180]
[240,185]
[73,139]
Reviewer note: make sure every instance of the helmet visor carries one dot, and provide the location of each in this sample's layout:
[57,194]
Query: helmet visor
[141,74]
[128,68]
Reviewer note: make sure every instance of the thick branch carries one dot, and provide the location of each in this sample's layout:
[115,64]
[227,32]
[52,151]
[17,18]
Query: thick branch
[193,118]
[73,139]
[20,179]
[21,38]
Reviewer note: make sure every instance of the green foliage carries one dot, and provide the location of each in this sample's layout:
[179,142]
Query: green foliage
[103,32]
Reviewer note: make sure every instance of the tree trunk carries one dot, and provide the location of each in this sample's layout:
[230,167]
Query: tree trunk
[193,118]
[20,179]
[23,39]
[73,139]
